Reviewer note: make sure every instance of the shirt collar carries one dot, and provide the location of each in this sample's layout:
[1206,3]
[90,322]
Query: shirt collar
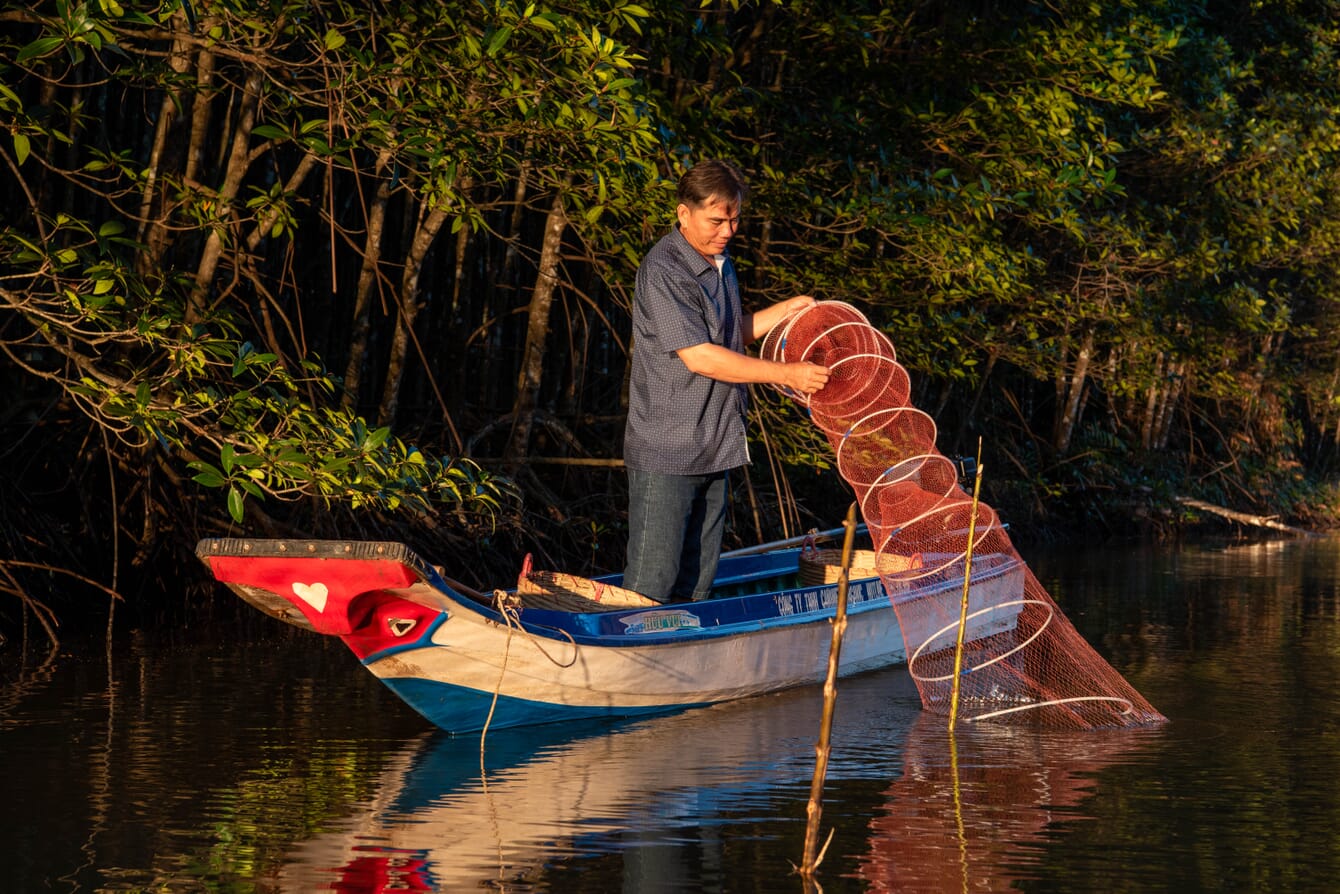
[693,259]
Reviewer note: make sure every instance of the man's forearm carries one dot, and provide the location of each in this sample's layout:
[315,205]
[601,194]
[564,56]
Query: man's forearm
[725,365]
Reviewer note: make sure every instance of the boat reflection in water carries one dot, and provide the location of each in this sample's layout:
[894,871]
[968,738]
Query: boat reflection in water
[972,811]
[648,787]
[639,787]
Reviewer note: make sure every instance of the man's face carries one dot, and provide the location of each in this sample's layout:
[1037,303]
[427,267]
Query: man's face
[710,226]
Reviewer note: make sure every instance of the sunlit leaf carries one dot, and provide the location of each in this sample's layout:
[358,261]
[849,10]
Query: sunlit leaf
[235,499]
[43,46]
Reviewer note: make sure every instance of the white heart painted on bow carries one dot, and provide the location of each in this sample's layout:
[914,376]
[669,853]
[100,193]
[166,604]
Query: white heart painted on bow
[312,594]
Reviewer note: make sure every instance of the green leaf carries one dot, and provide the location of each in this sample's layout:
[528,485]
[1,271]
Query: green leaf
[43,46]
[270,132]
[209,479]
[235,499]
[377,438]
[248,460]
[207,475]
[499,38]
[334,39]
[21,147]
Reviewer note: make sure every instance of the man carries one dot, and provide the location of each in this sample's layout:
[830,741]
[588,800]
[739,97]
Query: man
[688,393]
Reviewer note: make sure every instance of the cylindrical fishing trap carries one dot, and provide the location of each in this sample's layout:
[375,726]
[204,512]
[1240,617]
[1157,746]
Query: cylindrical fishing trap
[1022,658]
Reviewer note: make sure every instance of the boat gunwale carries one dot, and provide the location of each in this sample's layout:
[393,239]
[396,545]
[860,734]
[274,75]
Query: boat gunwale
[541,622]
[752,612]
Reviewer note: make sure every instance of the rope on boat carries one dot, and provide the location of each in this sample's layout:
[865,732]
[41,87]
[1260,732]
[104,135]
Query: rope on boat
[508,606]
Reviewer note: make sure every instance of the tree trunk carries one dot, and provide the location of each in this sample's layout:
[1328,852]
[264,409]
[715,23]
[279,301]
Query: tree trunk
[152,231]
[1059,381]
[368,277]
[537,330]
[1068,415]
[1151,406]
[1326,417]
[238,162]
[424,235]
[518,209]
[202,98]
[492,312]
[1172,393]
[458,280]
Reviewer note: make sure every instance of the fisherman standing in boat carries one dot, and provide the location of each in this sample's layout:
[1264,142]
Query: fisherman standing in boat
[689,388]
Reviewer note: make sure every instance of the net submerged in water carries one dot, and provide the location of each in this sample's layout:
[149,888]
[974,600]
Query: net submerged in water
[1022,658]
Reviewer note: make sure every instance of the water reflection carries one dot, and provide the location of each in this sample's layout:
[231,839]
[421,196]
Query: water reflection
[960,813]
[971,810]
[281,766]
[548,794]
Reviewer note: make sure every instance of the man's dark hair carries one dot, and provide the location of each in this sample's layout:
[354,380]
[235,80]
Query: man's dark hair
[713,177]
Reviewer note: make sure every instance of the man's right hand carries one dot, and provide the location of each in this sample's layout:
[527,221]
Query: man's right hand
[806,378]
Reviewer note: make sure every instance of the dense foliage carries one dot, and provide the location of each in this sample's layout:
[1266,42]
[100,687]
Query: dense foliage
[346,269]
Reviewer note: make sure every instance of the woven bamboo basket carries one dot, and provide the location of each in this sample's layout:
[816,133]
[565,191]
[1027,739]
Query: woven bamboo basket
[569,593]
[824,566]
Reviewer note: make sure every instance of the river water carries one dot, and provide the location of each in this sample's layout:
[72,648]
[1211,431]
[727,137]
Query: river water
[192,763]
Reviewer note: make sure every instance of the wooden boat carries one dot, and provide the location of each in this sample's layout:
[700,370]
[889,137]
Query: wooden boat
[466,660]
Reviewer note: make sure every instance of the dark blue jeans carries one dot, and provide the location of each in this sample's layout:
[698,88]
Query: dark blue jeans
[675,525]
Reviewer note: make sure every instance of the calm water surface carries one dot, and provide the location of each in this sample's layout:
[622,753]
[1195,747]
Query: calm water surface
[280,765]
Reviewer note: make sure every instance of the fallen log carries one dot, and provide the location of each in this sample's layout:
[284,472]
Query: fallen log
[1261,521]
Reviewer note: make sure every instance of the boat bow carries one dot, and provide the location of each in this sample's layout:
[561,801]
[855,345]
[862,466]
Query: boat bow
[331,587]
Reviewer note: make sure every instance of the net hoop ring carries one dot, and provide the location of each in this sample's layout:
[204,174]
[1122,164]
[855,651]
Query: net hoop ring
[775,340]
[883,417]
[1051,613]
[1129,709]
[929,570]
[809,399]
[881,339]
[877,394]
[882,456]
[775,348]
[922,461]
[853,430]
[981,530]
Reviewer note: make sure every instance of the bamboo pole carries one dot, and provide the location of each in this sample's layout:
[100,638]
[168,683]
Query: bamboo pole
[960,826]
[815,808]
[967,581]
[798,540]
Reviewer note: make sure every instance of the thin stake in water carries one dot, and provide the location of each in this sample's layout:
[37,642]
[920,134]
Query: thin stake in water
[815,808]
[967,580]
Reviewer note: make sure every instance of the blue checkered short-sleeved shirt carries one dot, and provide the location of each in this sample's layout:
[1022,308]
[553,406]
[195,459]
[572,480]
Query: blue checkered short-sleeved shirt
[679,422]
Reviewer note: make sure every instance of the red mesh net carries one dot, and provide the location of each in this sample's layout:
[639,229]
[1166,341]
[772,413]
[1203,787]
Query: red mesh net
[1022,658]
